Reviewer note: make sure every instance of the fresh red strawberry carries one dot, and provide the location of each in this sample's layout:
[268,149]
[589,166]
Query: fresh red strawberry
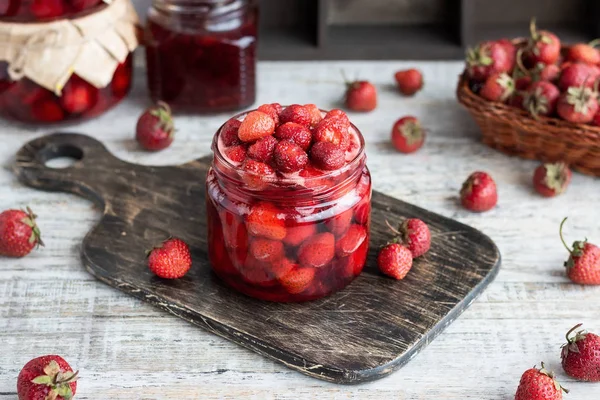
[296,113]
[266,250]
[498,87]
[581,355]
[19,233]
[583,265]
[170,260]
[154,130]
[267,221]
[271,110]
[256,125]
[416,236]
[229,132]
[479,193]
[487,59]
[296,133]
[297,280]
[542,47]
[44,9]
[578,105]
[550,180]
[395,260]
[257,175]
[339,224]
[351,241]
[317,251]
[337,113]
[262,150]
[47,110]
[409,81]
[327,156]
[407,135]
[541,98]
[289,157]
[47,378]
[361,96]
[577,75]
[545,72]
[334,130]
[511,52]
[315,114]
[539,384]
[236,153]
[78,96]
[584,53]
[298,233]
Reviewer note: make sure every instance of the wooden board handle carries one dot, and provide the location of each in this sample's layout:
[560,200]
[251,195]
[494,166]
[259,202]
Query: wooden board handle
[80,178]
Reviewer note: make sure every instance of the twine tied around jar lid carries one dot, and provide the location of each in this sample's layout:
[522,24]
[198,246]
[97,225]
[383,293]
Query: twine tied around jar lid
[92,47]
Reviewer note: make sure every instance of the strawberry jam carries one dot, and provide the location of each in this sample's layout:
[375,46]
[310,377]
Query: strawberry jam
[45,10]
[25,101]
[201,56]
[287,223]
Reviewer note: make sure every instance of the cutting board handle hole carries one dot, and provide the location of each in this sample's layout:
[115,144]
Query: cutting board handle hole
[61,156]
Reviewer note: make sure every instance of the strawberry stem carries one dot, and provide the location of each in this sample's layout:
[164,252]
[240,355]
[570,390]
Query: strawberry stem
[594,42]
[571,331]
[560,232]
[394,230]
[519,60]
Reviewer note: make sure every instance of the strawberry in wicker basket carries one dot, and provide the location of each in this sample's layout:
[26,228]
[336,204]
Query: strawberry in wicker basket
[536,98]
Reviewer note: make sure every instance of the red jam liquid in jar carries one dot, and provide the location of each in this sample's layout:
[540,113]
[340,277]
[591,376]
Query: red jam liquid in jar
[201,55]
[290,237]
[45,10]
[25,101]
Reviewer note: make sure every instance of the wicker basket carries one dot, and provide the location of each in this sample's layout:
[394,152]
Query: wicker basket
[515,132]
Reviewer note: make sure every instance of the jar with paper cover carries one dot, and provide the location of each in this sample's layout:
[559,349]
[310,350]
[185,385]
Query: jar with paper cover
[66,69]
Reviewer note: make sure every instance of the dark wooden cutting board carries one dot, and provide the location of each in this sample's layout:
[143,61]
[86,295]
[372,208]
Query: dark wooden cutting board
[362,333]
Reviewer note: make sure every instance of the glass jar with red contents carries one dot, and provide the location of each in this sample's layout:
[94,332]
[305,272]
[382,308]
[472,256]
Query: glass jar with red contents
[64,68]
[287,237]
[201,55]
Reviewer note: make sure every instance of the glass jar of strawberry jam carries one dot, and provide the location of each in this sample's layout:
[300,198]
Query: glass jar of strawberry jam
[286,221]
[201,55]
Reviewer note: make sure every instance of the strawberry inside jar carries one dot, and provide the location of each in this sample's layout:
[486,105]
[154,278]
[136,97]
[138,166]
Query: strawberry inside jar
[288,221]
[44,10]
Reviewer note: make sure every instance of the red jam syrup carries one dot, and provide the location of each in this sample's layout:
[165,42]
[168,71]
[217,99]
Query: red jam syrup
[44,10]
[284,229]
[25,101]
[204,59]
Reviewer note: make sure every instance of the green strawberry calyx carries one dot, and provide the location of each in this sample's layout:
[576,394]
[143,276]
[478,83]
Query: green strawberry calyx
[412,132]
[557,175]
[58,381]
[571,345]
[36,235]
[551,375]
[162,112]
[576,251]
[479,56]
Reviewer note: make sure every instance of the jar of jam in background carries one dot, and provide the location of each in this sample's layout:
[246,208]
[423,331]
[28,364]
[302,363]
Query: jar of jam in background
[49,74]
[288,237]
[201,55]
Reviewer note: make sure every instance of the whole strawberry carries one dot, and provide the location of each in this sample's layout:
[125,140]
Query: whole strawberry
[581,355]
[583,265]
[498,87]
[542,47]
[578,105]
[539,384]
[414,234]
[172,260]
[541,98]
[478,192]
[584,53]
[409,81]
[360,96]
[395,260]
[487,59]
[154,130]
[550,180]
[577,75]
[47,378]
[19,233]
[407,135]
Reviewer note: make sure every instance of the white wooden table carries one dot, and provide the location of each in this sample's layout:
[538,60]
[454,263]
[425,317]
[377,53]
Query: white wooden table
[126,349]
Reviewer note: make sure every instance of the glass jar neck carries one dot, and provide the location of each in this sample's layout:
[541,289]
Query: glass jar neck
[205,8]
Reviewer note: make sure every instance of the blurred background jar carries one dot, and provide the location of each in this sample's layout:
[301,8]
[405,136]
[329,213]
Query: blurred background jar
[201,55]
[73,63]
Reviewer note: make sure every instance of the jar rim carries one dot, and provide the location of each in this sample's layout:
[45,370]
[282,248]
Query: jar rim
[209,8]
[285,182]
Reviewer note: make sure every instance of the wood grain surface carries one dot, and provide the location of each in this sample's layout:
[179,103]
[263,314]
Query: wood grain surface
[127,349]
[363,333]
